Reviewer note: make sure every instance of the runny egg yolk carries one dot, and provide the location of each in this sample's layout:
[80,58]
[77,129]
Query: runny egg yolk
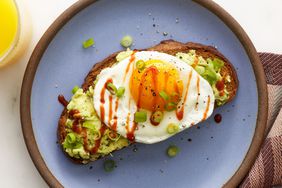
[157,76]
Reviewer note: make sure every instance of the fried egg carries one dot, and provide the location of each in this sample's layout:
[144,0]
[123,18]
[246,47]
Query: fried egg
[162,83]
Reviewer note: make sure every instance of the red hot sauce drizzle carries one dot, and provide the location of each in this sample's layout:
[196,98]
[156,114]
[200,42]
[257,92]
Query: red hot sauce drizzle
[207,109]
[74,114]
[98,142]
[114,125]
[131,60]
[129,132]
[63,100]
[198,92]
[180,112]
[220,87]
[110,109]
[102,100]
[217,118]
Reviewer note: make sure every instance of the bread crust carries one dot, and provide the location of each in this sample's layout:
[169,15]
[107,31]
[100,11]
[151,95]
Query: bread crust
[169,47]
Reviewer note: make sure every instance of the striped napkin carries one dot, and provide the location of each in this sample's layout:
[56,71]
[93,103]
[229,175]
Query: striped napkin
[267,170]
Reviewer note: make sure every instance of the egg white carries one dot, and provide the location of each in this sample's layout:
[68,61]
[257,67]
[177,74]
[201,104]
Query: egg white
[146,132]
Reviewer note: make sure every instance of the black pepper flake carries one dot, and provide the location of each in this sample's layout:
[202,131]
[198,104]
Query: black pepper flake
[244,119]
[211,137]
[120,158]
[189,140]
[207,158]
[161,171]
[57,142]
[135,150]
[198,127]
[90,167]
[154,25]
[98,180]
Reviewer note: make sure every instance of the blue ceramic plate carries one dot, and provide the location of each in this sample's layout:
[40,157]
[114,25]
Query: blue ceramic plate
[210,153]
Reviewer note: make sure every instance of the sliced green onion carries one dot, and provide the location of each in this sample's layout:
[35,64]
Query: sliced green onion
[126,41]
[164,95]
[113,135]
[74,89]
[71,138]
[175,97]
[170,106]
[172,151]
[111,88]
[120,91]
[157,117]
[69,123]
[88,43]
[140,117]
[140,64]
[89,125]
[109,165]
[172,128]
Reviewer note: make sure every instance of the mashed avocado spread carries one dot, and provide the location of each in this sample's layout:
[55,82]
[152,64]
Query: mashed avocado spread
[84,135]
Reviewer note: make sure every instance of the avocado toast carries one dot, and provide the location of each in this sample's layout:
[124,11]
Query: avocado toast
[82,135]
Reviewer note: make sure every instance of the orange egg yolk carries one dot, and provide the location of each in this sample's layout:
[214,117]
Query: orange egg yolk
[157,76]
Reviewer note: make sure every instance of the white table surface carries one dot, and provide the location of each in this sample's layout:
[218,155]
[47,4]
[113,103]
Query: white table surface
[261,19]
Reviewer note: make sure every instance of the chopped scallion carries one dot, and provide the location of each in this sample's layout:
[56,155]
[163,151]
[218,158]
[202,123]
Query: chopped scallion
[120,91]
[89,125]
[113,135]
[71,138]
[170,106]
[140,64]
[88,43]
[172,151]
[164,95]
[175,97]
[126,41]
[74,89]
[109,165]
[172,128]
[111,88]
[157,117]
[140,117]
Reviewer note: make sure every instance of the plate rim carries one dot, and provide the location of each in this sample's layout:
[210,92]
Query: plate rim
[68,14]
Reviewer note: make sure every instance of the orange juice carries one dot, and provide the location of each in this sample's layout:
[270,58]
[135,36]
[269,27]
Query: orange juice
[14,33]
[8,25]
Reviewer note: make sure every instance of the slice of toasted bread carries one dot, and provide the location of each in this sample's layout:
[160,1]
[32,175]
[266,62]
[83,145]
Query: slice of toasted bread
[170,47]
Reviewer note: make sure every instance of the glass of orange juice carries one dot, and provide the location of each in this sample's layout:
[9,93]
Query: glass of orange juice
[15,31]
